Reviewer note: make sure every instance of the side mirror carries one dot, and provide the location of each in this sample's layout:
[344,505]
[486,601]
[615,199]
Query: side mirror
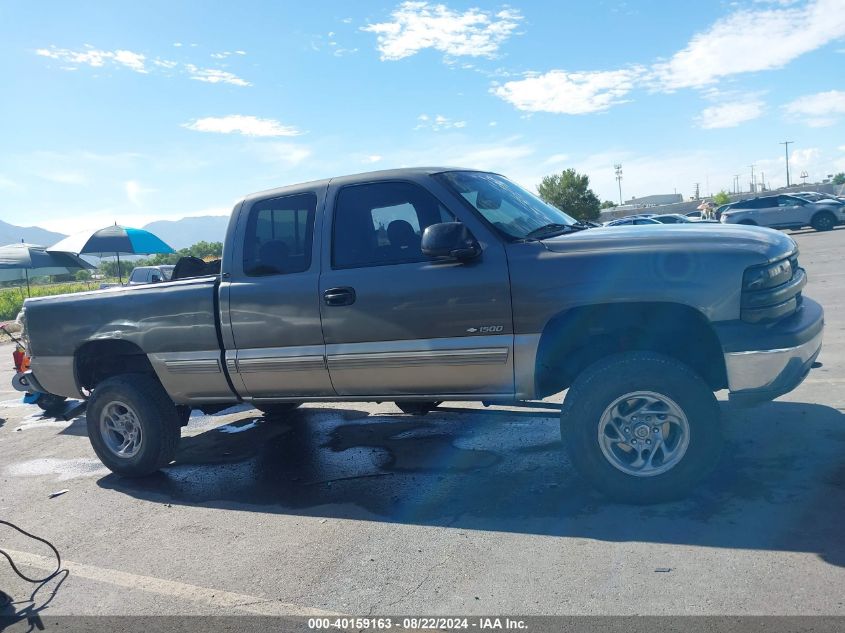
[449,239]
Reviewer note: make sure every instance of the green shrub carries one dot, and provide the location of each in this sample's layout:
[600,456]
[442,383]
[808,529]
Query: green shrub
[11,299]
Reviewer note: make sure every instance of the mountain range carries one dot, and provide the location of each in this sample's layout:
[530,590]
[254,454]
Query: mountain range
[188,231]
[178,233]
[11,234]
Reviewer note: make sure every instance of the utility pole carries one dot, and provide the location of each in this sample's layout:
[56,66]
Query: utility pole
[697,195]
[736,183]
[753,180]
[786,145]
[762,181]
[618,169]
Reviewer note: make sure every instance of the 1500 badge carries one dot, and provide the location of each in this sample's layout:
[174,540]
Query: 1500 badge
[486,329]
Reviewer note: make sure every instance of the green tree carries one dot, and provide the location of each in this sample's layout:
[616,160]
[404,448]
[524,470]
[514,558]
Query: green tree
[839,179]
[721,198]
[82,275]
[570,192]
[608,204]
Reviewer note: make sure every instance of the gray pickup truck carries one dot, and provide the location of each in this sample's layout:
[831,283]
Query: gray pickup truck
[424,285]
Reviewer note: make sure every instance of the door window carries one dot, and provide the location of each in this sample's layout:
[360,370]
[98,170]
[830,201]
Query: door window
[382,223]
[279,235]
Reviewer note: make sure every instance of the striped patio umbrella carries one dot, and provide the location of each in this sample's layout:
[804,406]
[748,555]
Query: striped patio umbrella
[19,261]
[113,240]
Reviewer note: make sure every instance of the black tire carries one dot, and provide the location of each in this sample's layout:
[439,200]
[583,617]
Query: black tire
[418,407]
[156,416]
[47,401]
[184,414]
[607,382]
[278,409]
[823,221]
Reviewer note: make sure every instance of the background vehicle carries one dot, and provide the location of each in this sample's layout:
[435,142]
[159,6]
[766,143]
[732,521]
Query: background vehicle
[150,274]
[815,196]
[631,220]
[428,285]
[784,212]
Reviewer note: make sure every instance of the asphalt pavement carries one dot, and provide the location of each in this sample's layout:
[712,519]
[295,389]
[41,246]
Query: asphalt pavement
[359,509]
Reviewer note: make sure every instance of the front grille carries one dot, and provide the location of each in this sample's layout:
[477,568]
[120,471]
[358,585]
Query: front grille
[772,304]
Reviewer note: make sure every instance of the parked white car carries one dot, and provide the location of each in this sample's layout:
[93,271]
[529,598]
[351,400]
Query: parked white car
[784,212]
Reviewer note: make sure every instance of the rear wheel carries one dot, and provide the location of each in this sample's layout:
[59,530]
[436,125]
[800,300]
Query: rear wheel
[641,427]
[823,221]
[418,407]
[133,425]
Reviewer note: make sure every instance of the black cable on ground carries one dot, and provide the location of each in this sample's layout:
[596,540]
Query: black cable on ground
[37,538]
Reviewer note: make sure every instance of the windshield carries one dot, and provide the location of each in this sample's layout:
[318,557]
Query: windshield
[514,211]
[167,271]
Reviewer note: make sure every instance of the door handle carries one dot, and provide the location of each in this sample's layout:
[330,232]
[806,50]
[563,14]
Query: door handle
[343,296]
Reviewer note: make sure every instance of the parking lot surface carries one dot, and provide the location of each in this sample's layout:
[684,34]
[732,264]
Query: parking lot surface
[358,509]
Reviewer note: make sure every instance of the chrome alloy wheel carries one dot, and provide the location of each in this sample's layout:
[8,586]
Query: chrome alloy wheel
[643,433]
[121,430]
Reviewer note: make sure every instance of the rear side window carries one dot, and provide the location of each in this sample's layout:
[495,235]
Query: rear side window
[382,223]
[279,234]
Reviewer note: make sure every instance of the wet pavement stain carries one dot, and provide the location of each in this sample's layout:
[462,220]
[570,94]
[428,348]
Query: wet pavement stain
[407,449]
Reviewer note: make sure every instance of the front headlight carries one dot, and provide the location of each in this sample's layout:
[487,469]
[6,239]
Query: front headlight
[768,275]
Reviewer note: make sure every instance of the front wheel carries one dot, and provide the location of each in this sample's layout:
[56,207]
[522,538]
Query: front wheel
[824,221]
[641,427]
[133,425]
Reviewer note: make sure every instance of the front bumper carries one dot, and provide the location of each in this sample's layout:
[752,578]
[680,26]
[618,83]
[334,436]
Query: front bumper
[760,375]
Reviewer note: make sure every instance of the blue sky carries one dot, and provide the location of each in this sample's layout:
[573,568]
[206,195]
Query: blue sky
[132,112]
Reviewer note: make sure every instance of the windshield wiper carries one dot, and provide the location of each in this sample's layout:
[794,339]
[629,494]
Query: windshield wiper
[550,230]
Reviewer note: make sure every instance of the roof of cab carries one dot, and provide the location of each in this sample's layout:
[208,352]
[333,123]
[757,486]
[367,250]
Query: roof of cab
[409,173]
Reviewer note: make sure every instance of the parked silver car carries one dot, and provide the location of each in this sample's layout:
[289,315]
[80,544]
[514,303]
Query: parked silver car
[784,212]
[150,274]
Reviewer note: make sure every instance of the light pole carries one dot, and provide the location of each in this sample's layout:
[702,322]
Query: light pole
[618,170]
[786,145]
[753,180]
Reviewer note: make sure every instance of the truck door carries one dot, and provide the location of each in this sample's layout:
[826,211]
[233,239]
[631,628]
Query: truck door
[398,323]
[272,301]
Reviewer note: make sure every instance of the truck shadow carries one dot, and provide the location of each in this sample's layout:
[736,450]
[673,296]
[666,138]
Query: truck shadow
[780,484]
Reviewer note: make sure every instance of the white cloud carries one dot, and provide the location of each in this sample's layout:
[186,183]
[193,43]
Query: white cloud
[563,92]
[752,40]
[818,110]
[137,62]
[373,158]
[286,154]
[64,177]
[134,191]
[730,114]
[96,58]
[416,26]
[242,124]
[437,123]
[215,76]
[7,183]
